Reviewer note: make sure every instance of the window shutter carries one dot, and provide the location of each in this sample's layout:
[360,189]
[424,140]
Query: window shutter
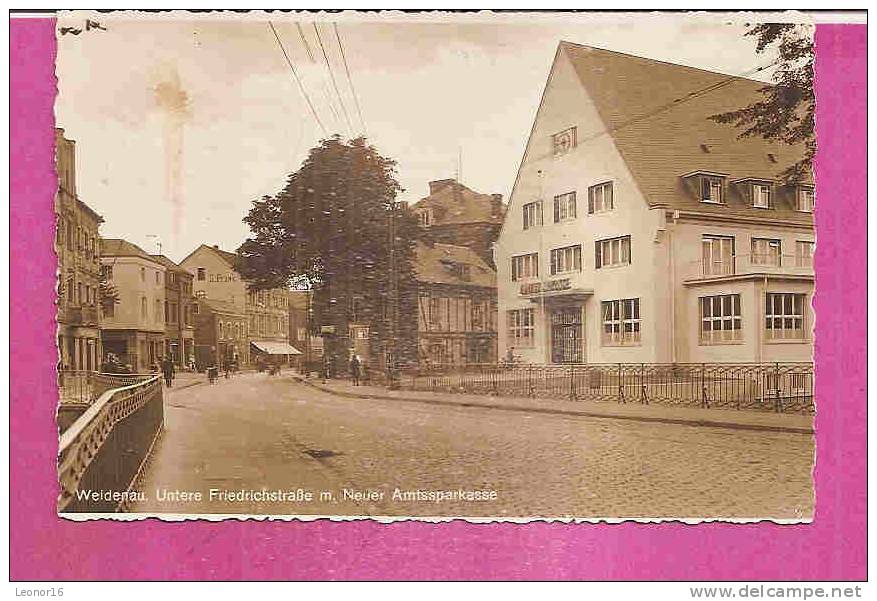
[598,259]
[591,200]
[553,262]
[514,270]
[556,210]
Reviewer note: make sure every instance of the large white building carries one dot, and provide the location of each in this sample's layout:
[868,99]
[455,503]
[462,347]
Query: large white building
[640,230]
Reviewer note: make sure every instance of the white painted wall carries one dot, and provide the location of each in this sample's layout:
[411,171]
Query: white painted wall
[593,161]
[131,289]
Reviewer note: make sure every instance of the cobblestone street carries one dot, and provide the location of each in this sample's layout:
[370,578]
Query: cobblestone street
[255,431]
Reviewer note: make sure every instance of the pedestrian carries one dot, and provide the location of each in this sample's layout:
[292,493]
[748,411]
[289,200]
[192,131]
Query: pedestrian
[167,369]
[355,365]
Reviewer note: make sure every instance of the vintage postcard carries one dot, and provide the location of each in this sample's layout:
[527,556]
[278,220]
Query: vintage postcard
[499,267]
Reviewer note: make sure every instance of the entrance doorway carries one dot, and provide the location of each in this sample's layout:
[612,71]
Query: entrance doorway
[567,343]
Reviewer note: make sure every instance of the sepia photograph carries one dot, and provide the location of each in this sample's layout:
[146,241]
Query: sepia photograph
[491,266]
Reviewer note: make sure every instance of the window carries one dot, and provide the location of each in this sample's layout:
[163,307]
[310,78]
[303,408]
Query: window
[425,217]
[532,214]
[766,252]
[784,316]
[762,197]
[202,274]
[195,309]
[600,198]
[717,255]
[107,272]
[158,310]
[612,252]
[565,207]
[720,319]
[521,327]
[564,141]
[806,199]
[567,259]
[201,294]
[525,266]
[804,253]
[621,321]
[712,189]
[143,308]
[142,274]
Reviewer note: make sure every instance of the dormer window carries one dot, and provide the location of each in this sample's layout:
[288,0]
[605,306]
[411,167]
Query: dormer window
[424,217]
[707,185]
[712,189]
[564,141]
[761,196]
[759,192]
[805,199]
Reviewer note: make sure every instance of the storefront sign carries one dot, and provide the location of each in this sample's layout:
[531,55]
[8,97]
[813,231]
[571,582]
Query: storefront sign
[532,288]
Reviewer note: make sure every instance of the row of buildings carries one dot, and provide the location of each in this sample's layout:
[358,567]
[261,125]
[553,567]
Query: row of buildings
[639,230]
[114,297]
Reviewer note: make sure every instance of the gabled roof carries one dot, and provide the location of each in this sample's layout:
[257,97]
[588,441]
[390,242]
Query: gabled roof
[454,203]
[226,256]
[658,115]
[117,247]
[435,264]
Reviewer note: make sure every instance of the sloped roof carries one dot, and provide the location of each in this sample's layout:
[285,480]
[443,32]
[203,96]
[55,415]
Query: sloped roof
[658,114]
[221,306]
[454,203]
[169,264]
[434,264]
[117,247]
[226,256]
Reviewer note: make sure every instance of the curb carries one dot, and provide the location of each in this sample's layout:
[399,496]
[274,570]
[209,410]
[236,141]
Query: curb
[524,409]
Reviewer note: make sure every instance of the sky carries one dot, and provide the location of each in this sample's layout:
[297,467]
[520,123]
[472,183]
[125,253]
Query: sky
[181,122]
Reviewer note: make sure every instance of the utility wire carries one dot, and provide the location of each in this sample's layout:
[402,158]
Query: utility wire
[297,79]
[332,77]
[324,89]
[349,79]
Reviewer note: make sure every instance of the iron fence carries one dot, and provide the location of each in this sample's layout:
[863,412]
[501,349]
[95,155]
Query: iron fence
[780,387]
[102,454]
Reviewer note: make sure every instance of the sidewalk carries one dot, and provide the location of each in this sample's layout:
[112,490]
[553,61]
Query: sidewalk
[690,416]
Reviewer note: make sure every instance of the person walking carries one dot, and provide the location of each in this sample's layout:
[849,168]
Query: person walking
[355,365]
[167,369]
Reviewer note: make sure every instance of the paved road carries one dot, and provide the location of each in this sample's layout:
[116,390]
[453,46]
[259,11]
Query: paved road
[255,431]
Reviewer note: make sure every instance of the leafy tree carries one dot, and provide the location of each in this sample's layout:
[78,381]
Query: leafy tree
[786,110]
[328,229]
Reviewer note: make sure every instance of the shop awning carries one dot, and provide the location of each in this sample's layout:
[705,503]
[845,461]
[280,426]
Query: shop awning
[272,347]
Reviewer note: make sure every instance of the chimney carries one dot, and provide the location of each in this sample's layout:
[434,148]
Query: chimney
[440,184]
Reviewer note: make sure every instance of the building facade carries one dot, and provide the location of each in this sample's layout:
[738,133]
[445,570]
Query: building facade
[179,322]
[134,327]
[215,278]
[456,306]
[77,246]
[456,214]
[661,238]
[220,334]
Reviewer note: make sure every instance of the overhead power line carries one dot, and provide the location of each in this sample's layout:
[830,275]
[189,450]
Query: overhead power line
[349,79]
[332,77]
[297,79]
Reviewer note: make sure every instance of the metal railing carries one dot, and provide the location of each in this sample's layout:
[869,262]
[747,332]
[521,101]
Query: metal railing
[780,387]
[746,264]
[84,387]
[102,454]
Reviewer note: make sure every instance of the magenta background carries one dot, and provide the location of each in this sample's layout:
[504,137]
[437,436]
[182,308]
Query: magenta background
[44,547]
